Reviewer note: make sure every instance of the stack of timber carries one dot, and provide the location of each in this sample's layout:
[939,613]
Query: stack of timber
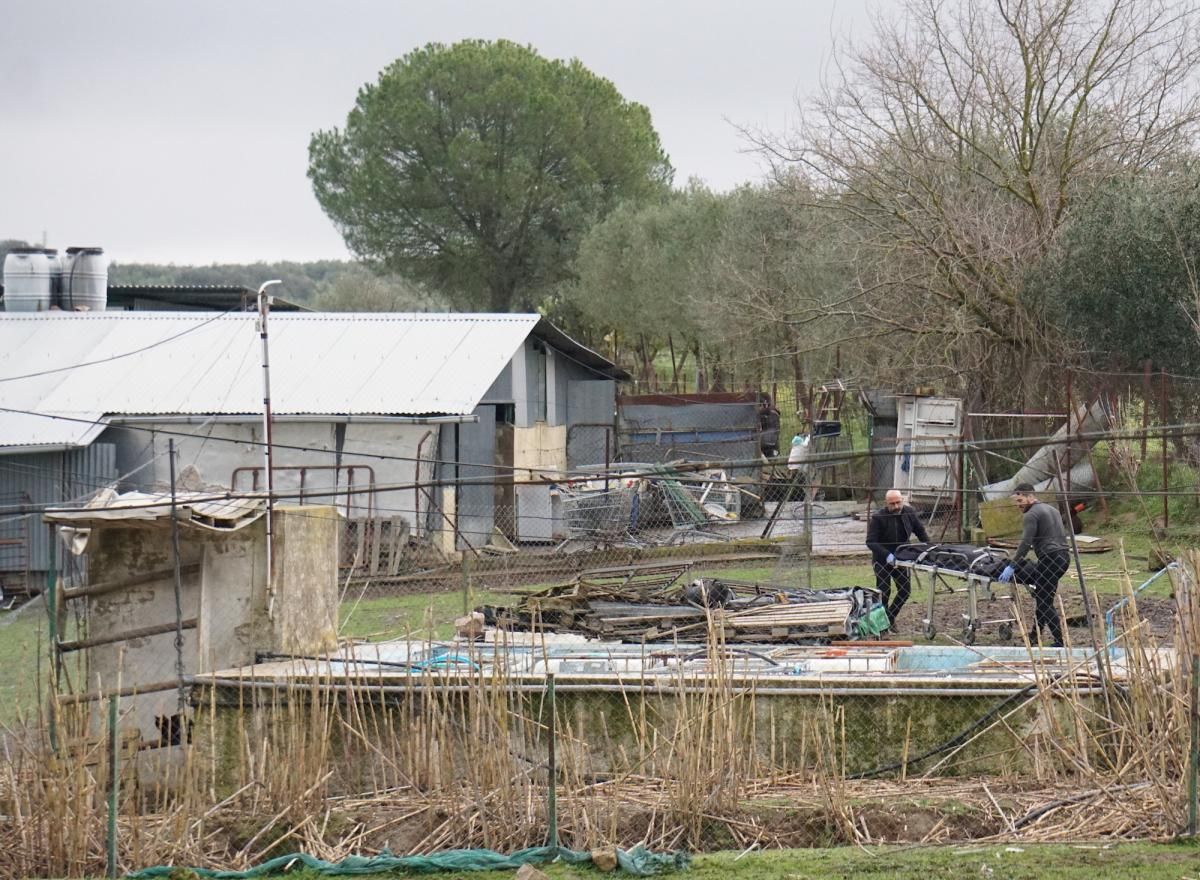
[650,603]
[792,619]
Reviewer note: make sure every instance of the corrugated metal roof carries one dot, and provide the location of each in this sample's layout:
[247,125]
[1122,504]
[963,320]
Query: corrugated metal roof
[86,366]
[203,288]
[193,508]
[188,297]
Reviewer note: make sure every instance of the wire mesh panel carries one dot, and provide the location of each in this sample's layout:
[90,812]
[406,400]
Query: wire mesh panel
[599,514]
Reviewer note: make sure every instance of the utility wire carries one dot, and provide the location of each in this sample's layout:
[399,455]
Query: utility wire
[117,357]
[1176,431]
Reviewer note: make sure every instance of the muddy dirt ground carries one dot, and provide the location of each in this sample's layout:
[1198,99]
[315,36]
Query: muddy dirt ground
[1158,614]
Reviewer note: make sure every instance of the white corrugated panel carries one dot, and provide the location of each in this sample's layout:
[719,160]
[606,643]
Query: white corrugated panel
[194,509]
[87,366]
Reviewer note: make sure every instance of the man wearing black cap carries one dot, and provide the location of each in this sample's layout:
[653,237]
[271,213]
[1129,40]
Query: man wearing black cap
[1044,533]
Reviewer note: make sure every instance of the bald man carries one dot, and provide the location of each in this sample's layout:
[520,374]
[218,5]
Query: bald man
[890,526]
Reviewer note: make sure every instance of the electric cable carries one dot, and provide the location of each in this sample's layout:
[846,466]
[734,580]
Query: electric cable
[1181,431]
[117,357]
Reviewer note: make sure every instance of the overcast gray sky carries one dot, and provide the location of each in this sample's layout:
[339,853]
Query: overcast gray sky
[172,131]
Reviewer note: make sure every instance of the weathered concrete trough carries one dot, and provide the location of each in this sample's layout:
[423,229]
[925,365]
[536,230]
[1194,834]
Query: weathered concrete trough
[980,710]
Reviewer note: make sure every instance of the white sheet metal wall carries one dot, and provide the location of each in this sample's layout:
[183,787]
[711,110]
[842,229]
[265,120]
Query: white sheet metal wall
[41,480]
[336,462]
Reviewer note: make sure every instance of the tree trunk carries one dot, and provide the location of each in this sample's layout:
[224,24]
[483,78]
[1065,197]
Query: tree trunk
[648,374]
[1029,394]
[501,295]
[674,367]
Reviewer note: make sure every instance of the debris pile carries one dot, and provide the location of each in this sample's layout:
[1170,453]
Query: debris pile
[616,507]
[648,603]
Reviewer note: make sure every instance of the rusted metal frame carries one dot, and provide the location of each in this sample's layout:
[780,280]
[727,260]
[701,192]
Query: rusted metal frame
[139,633]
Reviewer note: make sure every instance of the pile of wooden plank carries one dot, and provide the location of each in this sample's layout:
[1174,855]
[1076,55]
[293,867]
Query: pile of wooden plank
[785,620]
[622,596]
[646,603]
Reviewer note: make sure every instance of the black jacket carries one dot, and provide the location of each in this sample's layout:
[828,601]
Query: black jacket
[886,531]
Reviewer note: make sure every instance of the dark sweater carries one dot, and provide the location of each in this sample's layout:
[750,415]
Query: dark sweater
[1043,531]
[886,531]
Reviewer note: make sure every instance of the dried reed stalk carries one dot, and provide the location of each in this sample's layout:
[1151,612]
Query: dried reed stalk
[456,757]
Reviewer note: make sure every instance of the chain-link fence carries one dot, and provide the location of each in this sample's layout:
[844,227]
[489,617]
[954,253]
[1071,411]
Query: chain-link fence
[686,652]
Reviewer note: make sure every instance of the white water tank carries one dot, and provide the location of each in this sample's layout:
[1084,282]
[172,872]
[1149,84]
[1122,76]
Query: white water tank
[55,276]
[27,281]
[84,280]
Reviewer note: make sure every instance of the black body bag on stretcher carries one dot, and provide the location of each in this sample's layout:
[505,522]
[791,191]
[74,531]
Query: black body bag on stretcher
[1024,571]
[955,557]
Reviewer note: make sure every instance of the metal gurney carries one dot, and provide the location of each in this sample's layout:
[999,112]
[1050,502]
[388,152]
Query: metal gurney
[948,581]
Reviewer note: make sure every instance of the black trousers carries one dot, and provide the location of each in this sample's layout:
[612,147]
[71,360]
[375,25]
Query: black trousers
[1044,580]
[885,575]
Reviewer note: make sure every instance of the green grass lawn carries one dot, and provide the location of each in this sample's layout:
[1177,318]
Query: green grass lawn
[1146,861]
[421,615]
[1103,572]
[23,644]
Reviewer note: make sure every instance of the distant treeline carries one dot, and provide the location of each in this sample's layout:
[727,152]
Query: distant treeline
[302,282]
[327,285]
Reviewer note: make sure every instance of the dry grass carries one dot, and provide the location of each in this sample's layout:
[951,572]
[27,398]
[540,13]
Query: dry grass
[336,766]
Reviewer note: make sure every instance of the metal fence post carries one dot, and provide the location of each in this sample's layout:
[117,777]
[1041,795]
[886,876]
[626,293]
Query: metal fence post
[552,764]
[466,583]
[964,492]
[1146,392]
[114,770]
[808,535]
[1070,418]
[1162,391]
[1194,758]
[54,637]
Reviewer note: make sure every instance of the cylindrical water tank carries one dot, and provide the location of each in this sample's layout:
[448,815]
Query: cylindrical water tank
[27,280]
[55,276]
[85,279]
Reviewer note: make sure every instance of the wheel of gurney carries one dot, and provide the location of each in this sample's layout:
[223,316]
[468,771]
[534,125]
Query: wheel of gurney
[930,631]
[1006,632]
[969,634]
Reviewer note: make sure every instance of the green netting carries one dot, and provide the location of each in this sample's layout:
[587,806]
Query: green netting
[638,860]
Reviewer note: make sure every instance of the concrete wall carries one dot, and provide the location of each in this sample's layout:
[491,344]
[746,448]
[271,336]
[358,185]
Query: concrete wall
[637,731]
[118,553]
[234,623]
[305,580]
[236,615]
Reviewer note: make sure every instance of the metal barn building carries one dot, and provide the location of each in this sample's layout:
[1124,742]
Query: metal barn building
[365,406]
